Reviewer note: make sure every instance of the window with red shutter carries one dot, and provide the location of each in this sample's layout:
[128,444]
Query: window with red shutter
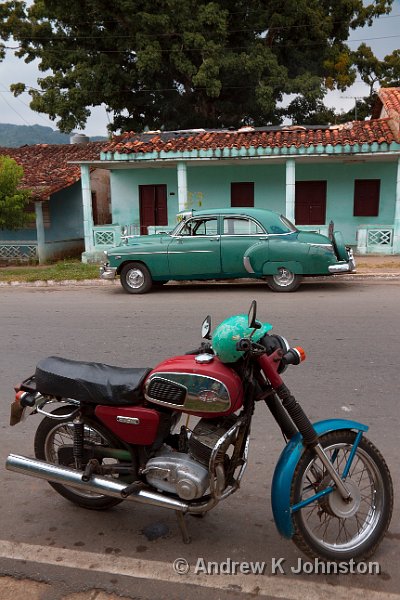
[242,194]
[366,197]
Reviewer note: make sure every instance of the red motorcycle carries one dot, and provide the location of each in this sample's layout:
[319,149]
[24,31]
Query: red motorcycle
[113,437]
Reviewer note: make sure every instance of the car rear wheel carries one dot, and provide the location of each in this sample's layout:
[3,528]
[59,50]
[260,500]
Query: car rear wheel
[284,281]
[136,278]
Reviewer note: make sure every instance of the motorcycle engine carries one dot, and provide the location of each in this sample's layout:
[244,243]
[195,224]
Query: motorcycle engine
[186,474]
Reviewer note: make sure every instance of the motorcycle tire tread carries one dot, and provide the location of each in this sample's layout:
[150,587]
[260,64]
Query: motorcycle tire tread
[300,538]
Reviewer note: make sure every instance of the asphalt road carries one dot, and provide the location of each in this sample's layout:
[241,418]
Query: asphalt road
[350,331]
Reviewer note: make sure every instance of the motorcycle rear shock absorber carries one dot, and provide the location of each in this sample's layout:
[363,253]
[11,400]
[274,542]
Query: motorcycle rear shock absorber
[78,441]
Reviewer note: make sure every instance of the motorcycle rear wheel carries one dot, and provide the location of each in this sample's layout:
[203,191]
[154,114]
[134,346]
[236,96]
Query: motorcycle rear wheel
[330,528]
[52,434]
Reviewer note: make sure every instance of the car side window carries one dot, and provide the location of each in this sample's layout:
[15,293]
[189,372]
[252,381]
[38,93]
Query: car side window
[199,227]
[241,226]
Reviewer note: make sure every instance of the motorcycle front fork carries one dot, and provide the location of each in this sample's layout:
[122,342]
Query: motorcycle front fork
[292,419]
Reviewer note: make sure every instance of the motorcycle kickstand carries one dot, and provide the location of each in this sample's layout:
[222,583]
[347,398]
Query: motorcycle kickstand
[183,527]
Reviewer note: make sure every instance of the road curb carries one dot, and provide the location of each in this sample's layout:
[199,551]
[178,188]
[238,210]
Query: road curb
[103,282]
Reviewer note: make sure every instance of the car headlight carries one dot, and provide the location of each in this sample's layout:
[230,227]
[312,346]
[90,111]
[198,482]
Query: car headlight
[106,253]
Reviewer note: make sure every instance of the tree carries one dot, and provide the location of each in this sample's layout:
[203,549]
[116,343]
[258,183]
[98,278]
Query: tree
[373,71]
[184,63]
[13,200]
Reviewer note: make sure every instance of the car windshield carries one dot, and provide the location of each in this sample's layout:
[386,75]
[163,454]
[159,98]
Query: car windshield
[279,224]
[176,228]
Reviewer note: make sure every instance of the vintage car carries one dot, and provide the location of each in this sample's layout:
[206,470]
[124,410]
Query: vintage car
[227,243]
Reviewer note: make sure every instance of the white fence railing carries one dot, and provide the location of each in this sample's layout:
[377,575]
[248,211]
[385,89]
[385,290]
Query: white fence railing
[375,239]
[18,251]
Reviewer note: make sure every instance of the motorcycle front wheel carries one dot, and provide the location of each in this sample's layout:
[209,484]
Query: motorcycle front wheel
[53,435]
[331,528]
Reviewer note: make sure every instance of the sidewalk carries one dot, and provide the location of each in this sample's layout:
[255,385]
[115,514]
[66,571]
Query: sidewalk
[27,589]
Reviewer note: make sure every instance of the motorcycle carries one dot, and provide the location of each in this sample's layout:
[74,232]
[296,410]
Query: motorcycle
[114,436]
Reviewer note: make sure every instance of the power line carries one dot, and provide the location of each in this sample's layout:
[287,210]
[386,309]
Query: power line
[14,110]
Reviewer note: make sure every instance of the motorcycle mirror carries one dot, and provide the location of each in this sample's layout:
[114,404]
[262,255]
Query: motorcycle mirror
[252,316]
[206,328]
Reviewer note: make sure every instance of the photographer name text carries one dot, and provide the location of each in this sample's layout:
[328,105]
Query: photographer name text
[276,566]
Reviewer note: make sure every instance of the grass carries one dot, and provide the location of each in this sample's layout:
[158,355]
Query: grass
[60,271]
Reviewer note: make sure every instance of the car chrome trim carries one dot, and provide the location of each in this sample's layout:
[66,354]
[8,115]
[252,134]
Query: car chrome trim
[107,272]
[340,268]
[247,265]
[191,252]
[254,235]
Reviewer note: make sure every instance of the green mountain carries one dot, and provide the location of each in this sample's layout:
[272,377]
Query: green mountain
[13,136]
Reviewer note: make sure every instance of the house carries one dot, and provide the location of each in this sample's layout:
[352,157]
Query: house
[53,175]
[346,174]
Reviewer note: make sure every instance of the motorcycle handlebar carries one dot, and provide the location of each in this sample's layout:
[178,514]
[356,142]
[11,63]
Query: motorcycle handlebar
[294,356]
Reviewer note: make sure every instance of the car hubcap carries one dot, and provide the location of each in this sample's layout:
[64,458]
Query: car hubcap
[284,277]
[135,278]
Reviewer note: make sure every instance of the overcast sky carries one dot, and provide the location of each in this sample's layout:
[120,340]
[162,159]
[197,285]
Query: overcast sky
[383,37]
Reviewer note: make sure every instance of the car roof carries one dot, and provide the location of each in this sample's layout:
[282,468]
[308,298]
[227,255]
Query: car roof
[257,213]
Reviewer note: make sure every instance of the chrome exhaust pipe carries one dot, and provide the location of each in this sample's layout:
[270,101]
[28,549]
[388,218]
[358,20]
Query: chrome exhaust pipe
[97,484]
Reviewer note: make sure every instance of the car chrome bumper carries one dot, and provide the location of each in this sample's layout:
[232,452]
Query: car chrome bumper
[344,267]
[107,272]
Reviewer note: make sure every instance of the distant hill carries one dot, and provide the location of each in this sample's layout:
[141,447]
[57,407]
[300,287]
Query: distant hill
[13,136]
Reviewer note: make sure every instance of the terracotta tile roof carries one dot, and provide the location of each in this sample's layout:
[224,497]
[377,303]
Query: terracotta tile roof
[46,166]
[389,98]
[358,132]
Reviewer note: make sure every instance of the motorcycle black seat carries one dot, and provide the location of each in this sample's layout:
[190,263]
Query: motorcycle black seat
[89,382]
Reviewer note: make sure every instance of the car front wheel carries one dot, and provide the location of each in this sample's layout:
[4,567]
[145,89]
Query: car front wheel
[136,278]
[284,281]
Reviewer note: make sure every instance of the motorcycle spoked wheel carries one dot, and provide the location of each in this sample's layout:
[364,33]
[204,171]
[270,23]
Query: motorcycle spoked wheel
[330,528]
[53,434]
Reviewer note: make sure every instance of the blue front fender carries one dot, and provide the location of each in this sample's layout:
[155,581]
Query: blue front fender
[285,468]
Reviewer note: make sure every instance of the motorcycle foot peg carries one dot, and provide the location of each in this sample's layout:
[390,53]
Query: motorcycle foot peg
[132,488]
[92,467]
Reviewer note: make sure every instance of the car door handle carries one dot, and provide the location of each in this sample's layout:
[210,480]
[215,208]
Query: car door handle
[215,239]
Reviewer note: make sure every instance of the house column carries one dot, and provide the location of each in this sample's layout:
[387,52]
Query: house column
[40,233]
[290,188]
[396,225]
[87,208]
[182,185]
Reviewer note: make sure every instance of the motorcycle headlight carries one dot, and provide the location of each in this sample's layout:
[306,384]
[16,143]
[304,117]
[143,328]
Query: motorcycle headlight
[275,342]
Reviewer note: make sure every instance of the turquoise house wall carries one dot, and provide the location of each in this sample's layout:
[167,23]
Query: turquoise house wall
[65,235]
[66,215]
[209,186]
[27,235]
[340,192]
[124,186]
[66,219]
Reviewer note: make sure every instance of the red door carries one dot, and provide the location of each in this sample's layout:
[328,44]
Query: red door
[310,203]
[152,206]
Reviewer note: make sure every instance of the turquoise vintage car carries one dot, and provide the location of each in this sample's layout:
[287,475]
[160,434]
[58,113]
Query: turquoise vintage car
[227,243]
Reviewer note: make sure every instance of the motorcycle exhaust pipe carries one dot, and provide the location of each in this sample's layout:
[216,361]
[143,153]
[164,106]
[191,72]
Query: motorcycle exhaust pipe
[97,484]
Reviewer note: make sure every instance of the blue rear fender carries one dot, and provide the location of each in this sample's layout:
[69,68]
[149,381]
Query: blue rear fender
[286,466]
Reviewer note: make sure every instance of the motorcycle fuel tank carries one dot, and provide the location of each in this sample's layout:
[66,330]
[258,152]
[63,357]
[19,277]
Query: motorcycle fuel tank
[205,390]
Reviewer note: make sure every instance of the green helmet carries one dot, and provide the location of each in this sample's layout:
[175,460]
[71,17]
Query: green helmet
[229,332]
